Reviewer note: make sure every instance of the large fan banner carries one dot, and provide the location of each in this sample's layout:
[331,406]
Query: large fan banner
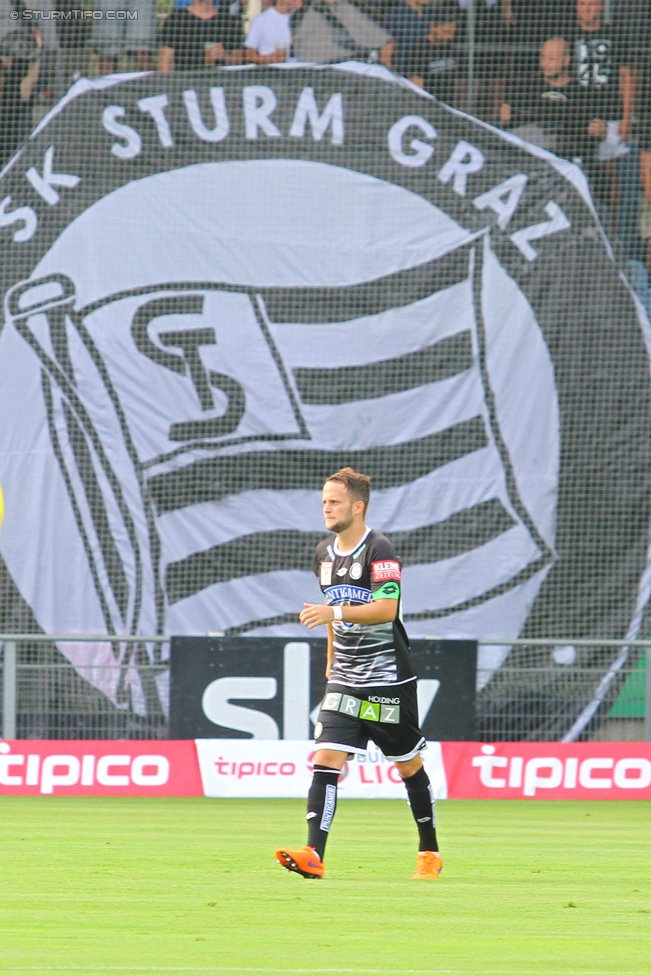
[220,287]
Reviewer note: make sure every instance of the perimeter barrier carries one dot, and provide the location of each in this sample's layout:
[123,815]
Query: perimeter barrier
[536,691]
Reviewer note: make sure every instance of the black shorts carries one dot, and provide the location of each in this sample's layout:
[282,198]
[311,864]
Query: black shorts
[388,715]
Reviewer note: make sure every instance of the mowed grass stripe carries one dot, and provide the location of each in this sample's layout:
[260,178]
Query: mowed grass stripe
[258,969]
[140,885]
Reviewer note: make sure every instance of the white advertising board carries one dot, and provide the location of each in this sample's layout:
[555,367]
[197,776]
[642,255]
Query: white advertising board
[283,768]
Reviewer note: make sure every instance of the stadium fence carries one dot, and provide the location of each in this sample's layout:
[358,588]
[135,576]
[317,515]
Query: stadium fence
[58,701]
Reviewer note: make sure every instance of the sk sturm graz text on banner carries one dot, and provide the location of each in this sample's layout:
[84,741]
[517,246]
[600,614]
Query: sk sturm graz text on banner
[221,287]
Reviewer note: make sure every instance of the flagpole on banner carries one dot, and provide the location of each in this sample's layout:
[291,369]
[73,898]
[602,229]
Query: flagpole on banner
[471,55]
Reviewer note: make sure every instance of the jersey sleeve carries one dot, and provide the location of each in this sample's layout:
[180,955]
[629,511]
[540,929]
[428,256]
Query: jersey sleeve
[385,570]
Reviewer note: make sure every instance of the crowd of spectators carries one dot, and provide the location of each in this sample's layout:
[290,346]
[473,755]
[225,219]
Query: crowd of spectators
[569,75]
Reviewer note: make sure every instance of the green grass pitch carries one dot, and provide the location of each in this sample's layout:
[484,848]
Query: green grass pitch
[181,886]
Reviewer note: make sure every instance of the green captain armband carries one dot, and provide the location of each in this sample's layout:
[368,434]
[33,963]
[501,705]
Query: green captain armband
[388,591]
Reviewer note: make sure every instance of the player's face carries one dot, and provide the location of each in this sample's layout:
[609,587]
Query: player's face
[337,507]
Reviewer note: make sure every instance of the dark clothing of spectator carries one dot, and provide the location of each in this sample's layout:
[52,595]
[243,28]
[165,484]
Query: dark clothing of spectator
[407,27]
[20,51]
[491,37]
[537,22]
[597,57]
[644,120]
[72,33]
[634,18]
[15,112]
[534,23]
[559,112]
[189,36]
[437,65]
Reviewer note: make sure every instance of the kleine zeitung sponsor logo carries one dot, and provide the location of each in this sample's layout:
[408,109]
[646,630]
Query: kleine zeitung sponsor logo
[387,569]
[56,770]
[554,772]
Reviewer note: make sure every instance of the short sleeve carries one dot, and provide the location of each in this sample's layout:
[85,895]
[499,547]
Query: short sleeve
[232,32]
[416,60]
[253,38]
[624,46]
[392,21]
[169,31]
[385,570]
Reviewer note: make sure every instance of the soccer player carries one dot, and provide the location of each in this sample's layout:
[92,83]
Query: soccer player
[371,685]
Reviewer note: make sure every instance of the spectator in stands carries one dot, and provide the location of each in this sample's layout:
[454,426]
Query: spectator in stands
[408,22]
[269,39]
[199,36]
[136,36]
[20,53]
[233,11]
[602,68]
[531,24]
[645,170]
[493,23]
[337,30]
[47,27]
[546,108]
[73,35]
[433,63]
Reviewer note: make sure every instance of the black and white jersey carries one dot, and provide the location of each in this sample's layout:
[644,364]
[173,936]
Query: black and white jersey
[598,56]
[364,654]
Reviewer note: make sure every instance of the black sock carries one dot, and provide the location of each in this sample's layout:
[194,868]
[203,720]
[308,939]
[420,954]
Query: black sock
[321,806]
[423,807]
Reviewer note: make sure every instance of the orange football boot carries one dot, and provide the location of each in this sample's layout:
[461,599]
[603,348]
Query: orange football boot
[304,861]
[428,866]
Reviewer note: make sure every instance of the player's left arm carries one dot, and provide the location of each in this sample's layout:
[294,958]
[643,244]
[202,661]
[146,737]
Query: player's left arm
[380,611]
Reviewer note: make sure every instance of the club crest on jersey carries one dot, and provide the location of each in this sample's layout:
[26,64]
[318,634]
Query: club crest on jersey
[386,569]
[356,571]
